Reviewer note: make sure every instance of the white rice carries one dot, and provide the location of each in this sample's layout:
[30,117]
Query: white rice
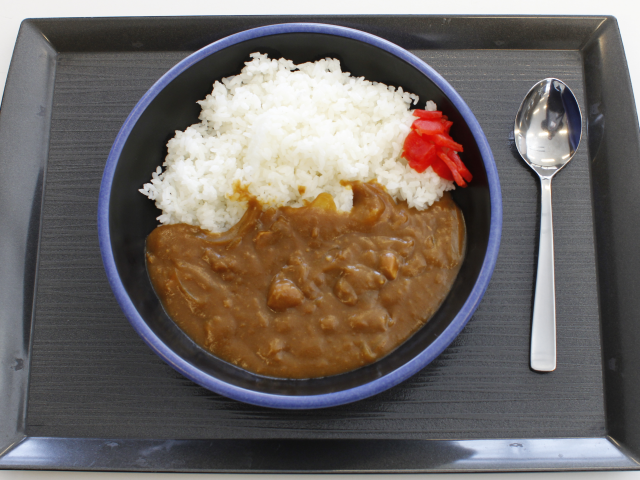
[280,129]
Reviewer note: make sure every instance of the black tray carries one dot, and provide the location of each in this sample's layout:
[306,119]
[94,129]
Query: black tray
[80,390]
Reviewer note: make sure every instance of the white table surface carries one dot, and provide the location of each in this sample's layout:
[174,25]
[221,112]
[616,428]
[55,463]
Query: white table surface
[12,12]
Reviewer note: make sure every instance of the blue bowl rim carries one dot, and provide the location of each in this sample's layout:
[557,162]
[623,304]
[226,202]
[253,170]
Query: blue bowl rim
[303,401]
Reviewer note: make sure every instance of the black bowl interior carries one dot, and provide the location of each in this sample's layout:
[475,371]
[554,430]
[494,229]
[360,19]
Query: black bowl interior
[133,216]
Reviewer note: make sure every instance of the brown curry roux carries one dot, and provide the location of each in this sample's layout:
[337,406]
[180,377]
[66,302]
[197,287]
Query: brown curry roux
[309,292]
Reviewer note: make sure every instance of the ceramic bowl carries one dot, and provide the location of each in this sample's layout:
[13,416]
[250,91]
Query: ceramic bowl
[126,217]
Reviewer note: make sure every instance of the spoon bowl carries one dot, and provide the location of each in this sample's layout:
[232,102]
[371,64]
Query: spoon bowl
[548,126]
[547,133]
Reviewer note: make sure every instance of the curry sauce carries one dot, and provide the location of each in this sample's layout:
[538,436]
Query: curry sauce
[311,291]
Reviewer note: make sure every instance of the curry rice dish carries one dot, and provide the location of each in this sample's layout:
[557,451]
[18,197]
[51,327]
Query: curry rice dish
[303,285]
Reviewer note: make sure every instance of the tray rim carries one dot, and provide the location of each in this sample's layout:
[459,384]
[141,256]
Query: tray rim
[19,451]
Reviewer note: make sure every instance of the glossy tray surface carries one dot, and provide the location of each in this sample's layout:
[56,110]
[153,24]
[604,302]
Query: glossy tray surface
[86,393]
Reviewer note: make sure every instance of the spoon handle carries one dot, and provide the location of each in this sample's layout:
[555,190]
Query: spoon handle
[543,326]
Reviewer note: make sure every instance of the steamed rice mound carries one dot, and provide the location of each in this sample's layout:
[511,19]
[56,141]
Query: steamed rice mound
[288,133]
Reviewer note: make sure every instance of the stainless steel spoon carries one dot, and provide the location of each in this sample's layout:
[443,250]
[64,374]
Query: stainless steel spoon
[547,133]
